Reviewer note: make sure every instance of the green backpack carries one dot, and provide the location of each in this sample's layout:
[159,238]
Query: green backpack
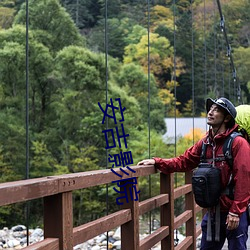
[243,120]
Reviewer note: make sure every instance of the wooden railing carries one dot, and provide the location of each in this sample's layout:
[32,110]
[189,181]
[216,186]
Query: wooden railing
[59,232]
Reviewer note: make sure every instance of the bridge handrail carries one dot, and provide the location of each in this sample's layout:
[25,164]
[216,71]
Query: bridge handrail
[24,190]
[59,233]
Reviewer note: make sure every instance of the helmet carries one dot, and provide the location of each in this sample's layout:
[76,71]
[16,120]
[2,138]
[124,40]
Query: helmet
[223,103]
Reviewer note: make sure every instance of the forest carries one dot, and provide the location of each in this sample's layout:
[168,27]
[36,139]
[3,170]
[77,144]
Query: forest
[59,59]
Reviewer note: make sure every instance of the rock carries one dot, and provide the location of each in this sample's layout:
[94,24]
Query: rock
[16,238]
[18,228]
[103,243]
[23,240]
[18,234]
[111,233]
[81,246]
[117,244]
[3,233]
[117,235]
[95,248]
[111,240]
[100,238]
[91,242]
[38,232]
[13,243]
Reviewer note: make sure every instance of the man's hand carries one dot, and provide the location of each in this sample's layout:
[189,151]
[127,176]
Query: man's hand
[232,221]
[146,162]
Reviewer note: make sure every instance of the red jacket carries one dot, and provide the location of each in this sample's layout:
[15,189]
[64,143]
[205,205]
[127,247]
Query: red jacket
[241,167]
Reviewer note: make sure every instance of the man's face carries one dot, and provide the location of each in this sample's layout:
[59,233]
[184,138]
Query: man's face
[215,116]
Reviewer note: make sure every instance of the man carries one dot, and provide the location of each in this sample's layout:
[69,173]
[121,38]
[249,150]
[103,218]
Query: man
[221,115]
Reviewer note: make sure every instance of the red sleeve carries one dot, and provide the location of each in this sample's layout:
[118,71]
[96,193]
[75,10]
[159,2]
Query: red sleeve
[183,163]
[241,175]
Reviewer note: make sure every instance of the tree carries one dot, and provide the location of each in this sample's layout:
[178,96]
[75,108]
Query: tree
[161,16]
[136,82]
[53,25]
[118,31]
[161,57]
[161,62]
[84,13]
[132,9]
[6,17]
[42,163]
[141,149]
[79,75]
[40,60]
[242,65]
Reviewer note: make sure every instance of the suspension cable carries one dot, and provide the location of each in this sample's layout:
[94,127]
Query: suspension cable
[27,208]
[215,51]
[106,83]
[229,53]
[192,76]
[149,121]
[174,75]
[205,50]
[221,68]
[175,95]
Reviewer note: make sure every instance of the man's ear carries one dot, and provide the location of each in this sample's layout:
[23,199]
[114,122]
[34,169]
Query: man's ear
[228,118]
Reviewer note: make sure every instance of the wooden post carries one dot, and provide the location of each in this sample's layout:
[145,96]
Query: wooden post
[167,210]
[58,219]
[130,230]
[190,205]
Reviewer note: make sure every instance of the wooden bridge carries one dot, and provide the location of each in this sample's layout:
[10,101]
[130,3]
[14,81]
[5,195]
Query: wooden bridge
[59,233]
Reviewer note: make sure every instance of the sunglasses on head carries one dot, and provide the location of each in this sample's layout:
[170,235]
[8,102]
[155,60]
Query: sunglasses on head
[221,102]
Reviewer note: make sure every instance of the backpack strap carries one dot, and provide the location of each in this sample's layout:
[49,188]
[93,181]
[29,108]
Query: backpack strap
[203,158]
[203,152]
[227,151]
[227,148]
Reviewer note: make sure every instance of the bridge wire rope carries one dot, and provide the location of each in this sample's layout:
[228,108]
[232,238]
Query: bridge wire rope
[205,47]
[149,121]
[222,68]
[192,71]
[176,240]
[205,53]
[236,82]
[229,82]
[221,62]
[77,13]
[106,97]
[27,204]
[215,51]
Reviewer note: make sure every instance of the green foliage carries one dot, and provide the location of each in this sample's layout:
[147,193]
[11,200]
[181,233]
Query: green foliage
[136,34]
[13,148]
[160,53]
[67,80]
[53,25]
[6,17]
[83,159]
[242,63]
[84,13]
[237,13]
[12,59]
[118,32]
[136,82]
[42,162]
